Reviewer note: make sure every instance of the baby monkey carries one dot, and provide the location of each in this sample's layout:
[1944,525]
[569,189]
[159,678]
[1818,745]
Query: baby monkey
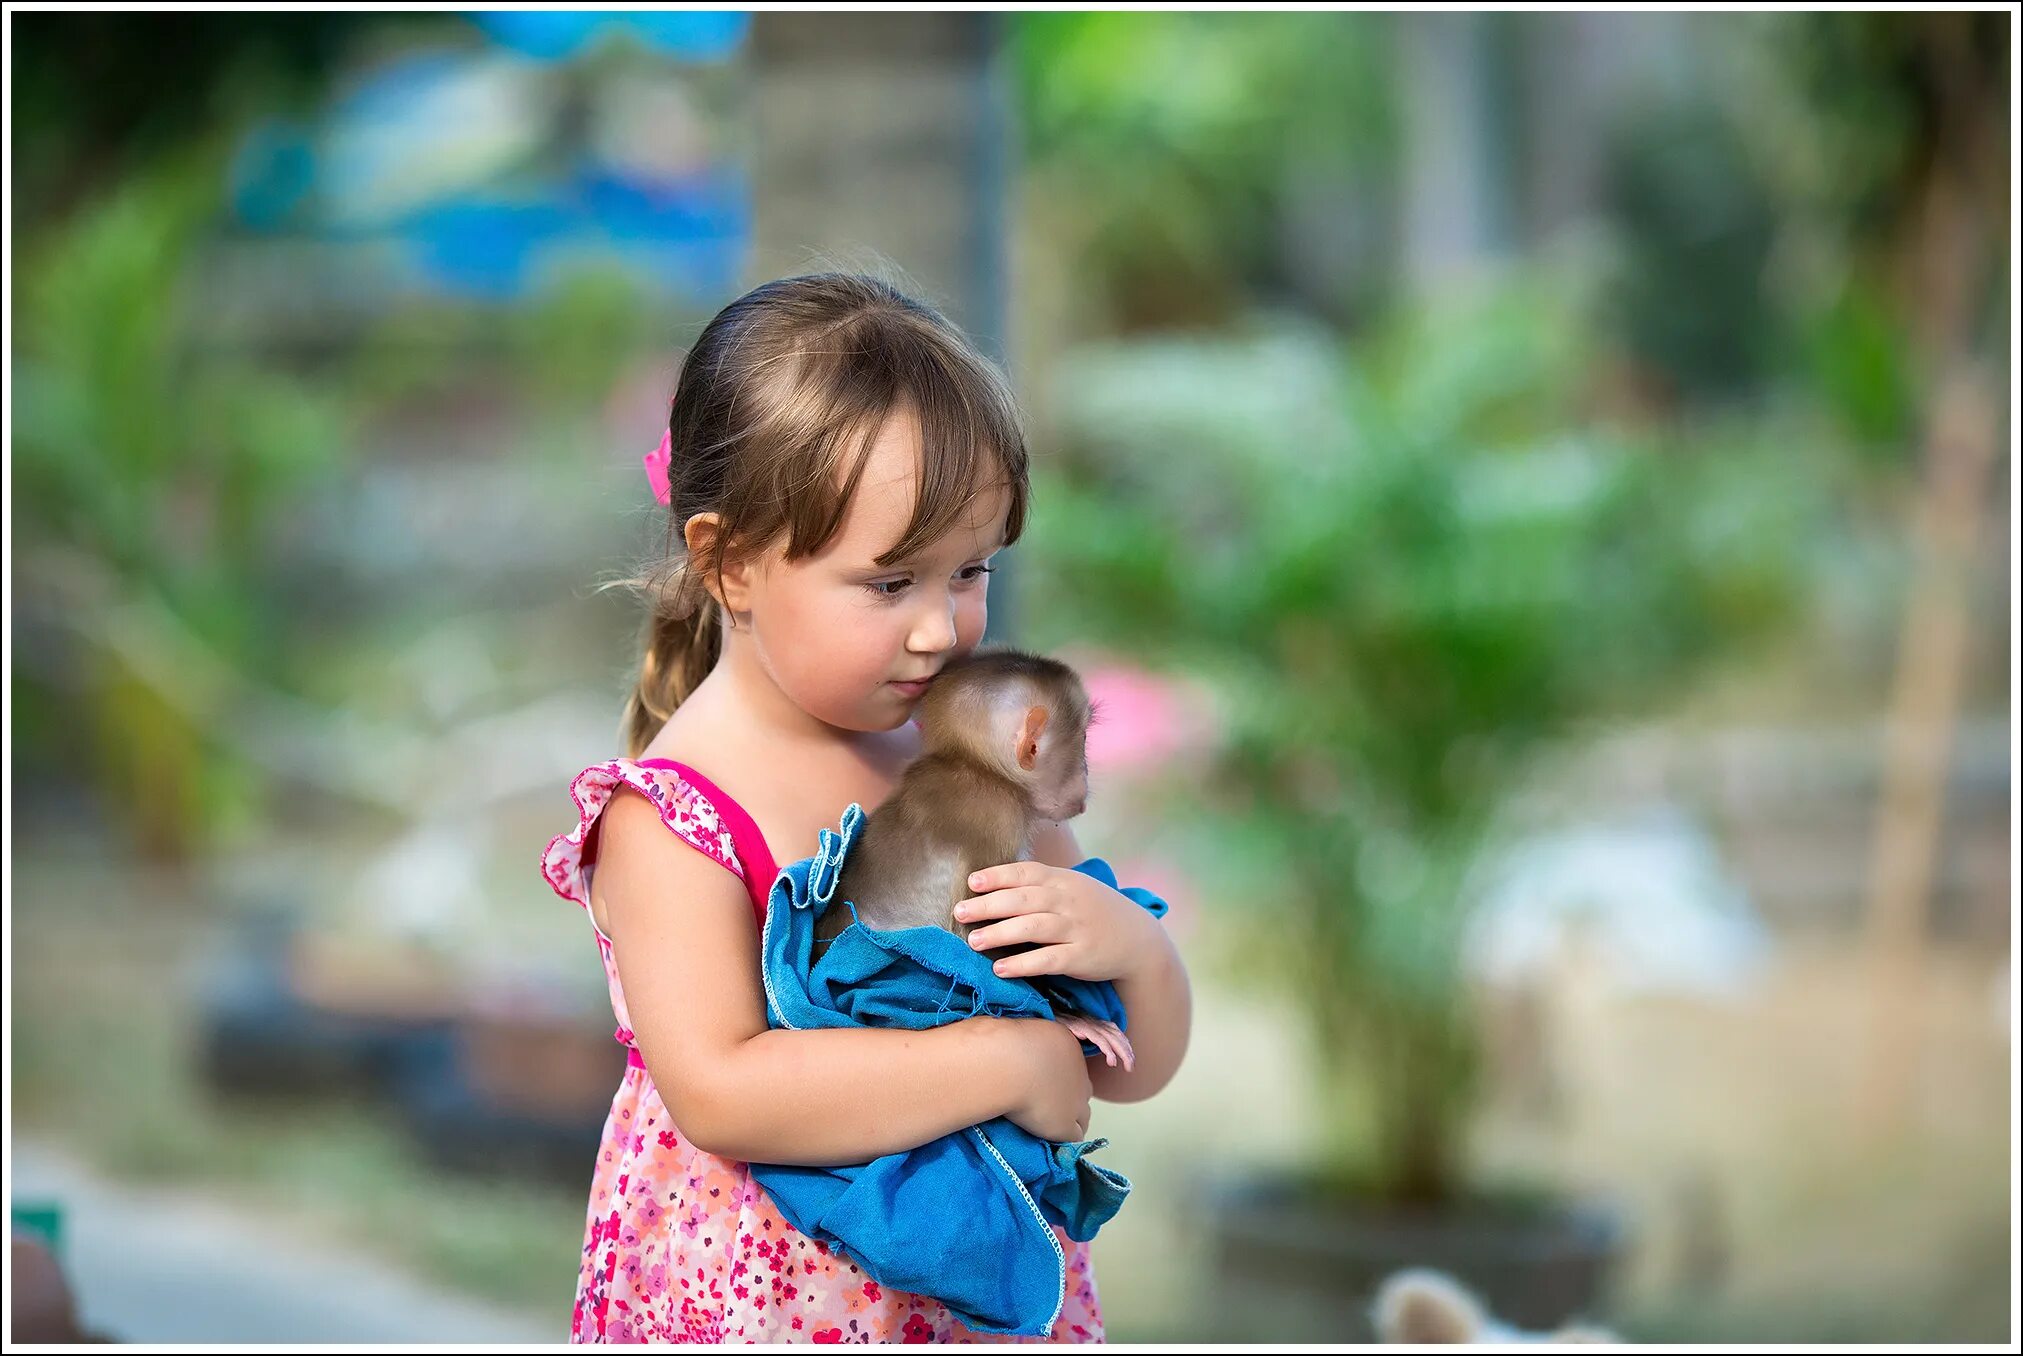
[1003,750]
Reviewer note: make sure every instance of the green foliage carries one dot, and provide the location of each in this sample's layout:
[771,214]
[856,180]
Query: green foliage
[1857,103]
[148,471]
[1401,612]
[1696,224]
[1878,141]
[1858,358]
[584,326]
[1484,366]
[1176,135]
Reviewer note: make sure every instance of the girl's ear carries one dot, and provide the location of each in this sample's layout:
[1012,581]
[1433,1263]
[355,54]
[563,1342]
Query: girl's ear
[698,534]
[708,557]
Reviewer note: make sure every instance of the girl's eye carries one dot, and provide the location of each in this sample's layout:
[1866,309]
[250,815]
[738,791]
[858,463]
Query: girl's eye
[892,588]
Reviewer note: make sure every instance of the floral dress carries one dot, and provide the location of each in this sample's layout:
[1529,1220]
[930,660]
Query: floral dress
[681,1245]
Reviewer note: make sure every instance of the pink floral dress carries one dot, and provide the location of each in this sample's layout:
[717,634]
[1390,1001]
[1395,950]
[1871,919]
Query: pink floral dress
[681,1245]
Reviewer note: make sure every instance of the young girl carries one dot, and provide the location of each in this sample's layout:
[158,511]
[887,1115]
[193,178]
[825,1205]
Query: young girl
[840,467]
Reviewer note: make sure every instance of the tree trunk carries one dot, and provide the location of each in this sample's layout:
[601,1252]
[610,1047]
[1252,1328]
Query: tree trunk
[1943,265]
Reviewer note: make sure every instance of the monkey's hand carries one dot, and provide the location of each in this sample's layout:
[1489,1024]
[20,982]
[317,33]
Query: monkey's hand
[1106,1036]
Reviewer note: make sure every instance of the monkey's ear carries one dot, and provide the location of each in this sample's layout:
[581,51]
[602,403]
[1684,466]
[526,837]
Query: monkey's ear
[1029,736]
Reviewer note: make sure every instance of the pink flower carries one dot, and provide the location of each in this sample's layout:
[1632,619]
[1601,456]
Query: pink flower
[1143,720]
[657,463]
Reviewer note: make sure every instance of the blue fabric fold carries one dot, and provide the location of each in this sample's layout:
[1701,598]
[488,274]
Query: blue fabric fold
[966,1218]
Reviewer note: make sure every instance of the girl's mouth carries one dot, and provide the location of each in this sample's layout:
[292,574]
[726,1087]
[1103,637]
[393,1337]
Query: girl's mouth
[915,688]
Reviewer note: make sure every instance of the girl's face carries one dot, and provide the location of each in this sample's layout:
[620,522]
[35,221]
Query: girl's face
[838,633]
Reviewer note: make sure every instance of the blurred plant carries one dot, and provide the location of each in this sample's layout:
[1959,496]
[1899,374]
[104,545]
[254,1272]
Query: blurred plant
[577,331]
[1177,137]
[1879,136]
[1872,106]
[1401,601]
[148,474]
[1696,226]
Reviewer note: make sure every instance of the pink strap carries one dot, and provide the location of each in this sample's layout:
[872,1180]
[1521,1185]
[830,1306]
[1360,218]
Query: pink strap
[746,838]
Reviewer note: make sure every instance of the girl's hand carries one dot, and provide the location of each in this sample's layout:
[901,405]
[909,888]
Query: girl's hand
[1055,1104]
[1078,926]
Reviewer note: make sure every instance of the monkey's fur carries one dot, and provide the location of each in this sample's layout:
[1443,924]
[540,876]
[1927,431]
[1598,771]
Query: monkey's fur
[1004,749]
[1423,1305]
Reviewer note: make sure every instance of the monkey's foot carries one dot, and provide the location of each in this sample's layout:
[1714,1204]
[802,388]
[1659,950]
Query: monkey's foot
[1106,1036]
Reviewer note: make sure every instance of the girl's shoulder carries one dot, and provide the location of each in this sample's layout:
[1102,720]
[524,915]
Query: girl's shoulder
[681,802]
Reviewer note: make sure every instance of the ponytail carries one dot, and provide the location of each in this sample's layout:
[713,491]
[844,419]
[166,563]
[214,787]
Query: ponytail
[684,638]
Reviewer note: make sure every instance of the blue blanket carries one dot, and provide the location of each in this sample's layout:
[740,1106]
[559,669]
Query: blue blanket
[966,1218]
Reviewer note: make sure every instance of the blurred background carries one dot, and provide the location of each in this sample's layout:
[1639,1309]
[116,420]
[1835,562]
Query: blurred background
[1532,490]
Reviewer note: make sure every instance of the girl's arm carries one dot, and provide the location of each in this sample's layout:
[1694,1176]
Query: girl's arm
[1155,994]
[687,952]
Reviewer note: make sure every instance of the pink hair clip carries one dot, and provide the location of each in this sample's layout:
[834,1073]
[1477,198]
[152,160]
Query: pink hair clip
[657,462]
[660,459]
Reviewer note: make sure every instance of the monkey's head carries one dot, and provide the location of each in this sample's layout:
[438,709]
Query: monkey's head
[1024,715]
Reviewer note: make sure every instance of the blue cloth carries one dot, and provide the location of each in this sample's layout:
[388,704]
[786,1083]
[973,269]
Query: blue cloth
[965,1218]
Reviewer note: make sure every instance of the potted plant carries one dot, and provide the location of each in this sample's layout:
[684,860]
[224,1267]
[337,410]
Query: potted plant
[1406,574]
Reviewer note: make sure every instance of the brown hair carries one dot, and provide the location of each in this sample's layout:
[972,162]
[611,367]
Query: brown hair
[784,387]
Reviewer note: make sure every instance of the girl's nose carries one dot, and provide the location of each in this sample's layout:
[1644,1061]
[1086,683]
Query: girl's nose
[935,630]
